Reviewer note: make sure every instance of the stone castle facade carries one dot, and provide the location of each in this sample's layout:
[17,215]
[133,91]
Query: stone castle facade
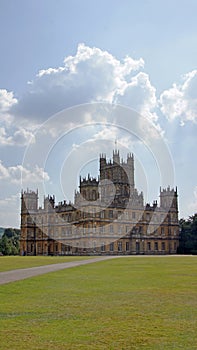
[108,216]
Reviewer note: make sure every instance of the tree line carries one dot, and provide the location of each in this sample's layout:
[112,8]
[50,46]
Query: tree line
[9,242]
[188,235]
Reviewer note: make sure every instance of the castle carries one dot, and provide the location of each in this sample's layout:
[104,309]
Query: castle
[108,216]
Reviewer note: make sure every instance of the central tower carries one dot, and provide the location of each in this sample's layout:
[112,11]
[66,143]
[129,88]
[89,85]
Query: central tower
[119,173]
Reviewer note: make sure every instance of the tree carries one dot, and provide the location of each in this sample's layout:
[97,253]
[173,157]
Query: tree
[9,243]
[188,235]
[5,246]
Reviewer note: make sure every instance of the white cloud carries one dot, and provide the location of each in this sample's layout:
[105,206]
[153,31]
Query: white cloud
[4,173]
[4,138]
[21,175]
[180,101]
[7,100]
[28,176]
[139,93]
[23,137]
[20,137]
[91,75]
[11,132]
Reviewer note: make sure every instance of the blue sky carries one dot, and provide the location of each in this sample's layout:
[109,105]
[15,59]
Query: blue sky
[79,48]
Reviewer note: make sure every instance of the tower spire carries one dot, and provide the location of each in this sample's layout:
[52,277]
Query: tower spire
[115,144]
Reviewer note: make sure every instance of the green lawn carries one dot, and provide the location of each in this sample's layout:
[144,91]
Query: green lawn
[21,262]
[125,303]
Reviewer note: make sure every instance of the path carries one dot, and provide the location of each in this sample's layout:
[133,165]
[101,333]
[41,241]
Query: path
[21,274]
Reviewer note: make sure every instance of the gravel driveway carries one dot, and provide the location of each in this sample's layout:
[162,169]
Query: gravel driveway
[21,274]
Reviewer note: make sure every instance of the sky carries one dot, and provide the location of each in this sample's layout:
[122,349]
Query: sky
[76,76]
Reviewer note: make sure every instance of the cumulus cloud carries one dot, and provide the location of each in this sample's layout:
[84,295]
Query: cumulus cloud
[23,137]
[180,101]
[7,100]
[139,93]
[11,134]
[92,75]
[19,174]
[4,138]
[20,137]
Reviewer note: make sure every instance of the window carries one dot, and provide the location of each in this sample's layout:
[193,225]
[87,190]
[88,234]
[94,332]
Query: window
[103,247]
[102,214]
[163,246]
[127,246]
[162,230]
[111,229]
[63,231]
[89,229]
[119,246]
[156,245]
[111,214]
[126,215]
[81,230]
[133,215]
[149,246]
[101,229]
[111,247]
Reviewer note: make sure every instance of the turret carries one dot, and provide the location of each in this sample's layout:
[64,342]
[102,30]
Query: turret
[49,203]
[102,165]
[169,199]
[130,169]
[89,188]
[116,157]
[29,201]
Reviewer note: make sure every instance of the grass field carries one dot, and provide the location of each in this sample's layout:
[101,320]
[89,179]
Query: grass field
[21,262]
[122,304]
